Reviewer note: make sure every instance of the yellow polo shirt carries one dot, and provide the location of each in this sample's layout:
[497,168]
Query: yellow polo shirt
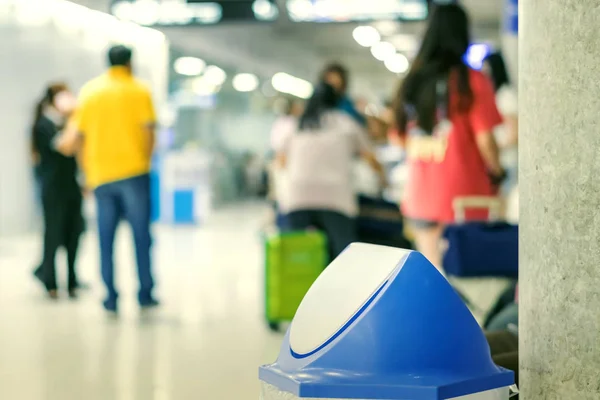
[113,116]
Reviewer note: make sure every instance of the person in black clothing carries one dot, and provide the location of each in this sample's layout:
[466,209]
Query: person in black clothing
[60,191]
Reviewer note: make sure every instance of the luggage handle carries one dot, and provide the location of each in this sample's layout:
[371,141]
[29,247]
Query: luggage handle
[493,204]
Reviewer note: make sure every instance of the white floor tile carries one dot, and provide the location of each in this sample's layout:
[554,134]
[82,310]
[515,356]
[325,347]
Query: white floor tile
[205,343]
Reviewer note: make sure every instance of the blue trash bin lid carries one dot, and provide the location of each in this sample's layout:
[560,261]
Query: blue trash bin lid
[411,338]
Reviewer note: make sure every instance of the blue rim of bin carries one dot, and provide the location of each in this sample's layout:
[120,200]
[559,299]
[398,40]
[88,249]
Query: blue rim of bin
[414,338]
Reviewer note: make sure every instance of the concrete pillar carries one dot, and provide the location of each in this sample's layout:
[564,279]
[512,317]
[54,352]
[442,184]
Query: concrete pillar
[559,103]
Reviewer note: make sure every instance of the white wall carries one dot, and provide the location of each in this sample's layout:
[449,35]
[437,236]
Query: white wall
[246,132]
[47,40]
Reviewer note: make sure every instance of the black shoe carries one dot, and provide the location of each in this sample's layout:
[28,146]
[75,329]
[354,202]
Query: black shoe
[82,286]
[110,306]
[73,294]
[38,274]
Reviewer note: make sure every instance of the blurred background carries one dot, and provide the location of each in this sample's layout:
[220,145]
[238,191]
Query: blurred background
[221,74]
[211,66]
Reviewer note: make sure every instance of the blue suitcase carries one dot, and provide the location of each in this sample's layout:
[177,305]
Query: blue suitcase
[481,248]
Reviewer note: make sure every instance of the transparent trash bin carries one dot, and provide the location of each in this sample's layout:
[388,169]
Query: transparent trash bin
[382,323]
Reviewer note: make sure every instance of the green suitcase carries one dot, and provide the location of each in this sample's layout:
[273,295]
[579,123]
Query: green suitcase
[293,261]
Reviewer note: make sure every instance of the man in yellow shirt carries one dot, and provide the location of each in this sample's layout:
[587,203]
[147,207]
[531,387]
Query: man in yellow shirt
[116,121]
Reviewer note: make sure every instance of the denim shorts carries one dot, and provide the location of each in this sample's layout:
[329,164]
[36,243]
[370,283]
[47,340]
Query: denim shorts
[417,223]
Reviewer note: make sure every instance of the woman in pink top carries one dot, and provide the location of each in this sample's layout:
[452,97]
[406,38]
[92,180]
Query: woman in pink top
[445,115]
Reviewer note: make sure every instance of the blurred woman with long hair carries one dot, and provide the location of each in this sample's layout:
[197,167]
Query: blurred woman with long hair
[60,191]
[445,115]
[318,158]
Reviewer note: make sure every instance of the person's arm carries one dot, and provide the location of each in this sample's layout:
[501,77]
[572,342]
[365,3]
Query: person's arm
[281,145]
[279,131]
[151,132]
[370,159]
[486,143]
[508,103]
[69,142]
[484,117]
[347,106]
[396,138]
[512,132]
[281,160]
[148,120]
[366,152]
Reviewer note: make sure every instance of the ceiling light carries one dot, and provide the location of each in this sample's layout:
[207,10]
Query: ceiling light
[124,10]
[264,10]
[414,10]
[189,66]
[146,12]
[404,42]
[383,50]
[300,10]
[386,27]
[175,13]
[397,63]
[215,75]
[289,84]
[204,87]
[245,82]
[207,13]
[366,36]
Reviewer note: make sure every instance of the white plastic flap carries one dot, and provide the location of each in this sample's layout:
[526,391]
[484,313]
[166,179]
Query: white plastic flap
[341,290]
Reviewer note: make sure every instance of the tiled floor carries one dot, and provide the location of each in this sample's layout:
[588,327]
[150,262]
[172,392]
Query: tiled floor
[205,343]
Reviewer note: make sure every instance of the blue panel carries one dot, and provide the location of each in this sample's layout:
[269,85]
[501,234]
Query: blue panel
[511,17]
[183,207]
[154,196]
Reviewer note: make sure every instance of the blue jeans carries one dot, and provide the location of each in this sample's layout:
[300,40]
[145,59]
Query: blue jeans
[128,199]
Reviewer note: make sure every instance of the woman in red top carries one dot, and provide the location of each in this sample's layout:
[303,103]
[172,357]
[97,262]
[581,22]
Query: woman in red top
[445,115]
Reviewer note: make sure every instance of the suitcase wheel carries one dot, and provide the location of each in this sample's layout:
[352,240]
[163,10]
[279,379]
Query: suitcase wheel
[274,326]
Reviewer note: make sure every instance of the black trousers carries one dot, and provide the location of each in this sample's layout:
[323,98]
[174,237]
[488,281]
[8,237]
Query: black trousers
[504,347]
[63,225]
[340,229]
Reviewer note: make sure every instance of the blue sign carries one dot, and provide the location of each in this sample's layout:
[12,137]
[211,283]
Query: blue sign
[511,17]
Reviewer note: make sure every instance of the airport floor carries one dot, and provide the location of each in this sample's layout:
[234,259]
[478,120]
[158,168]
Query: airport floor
[205,342]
